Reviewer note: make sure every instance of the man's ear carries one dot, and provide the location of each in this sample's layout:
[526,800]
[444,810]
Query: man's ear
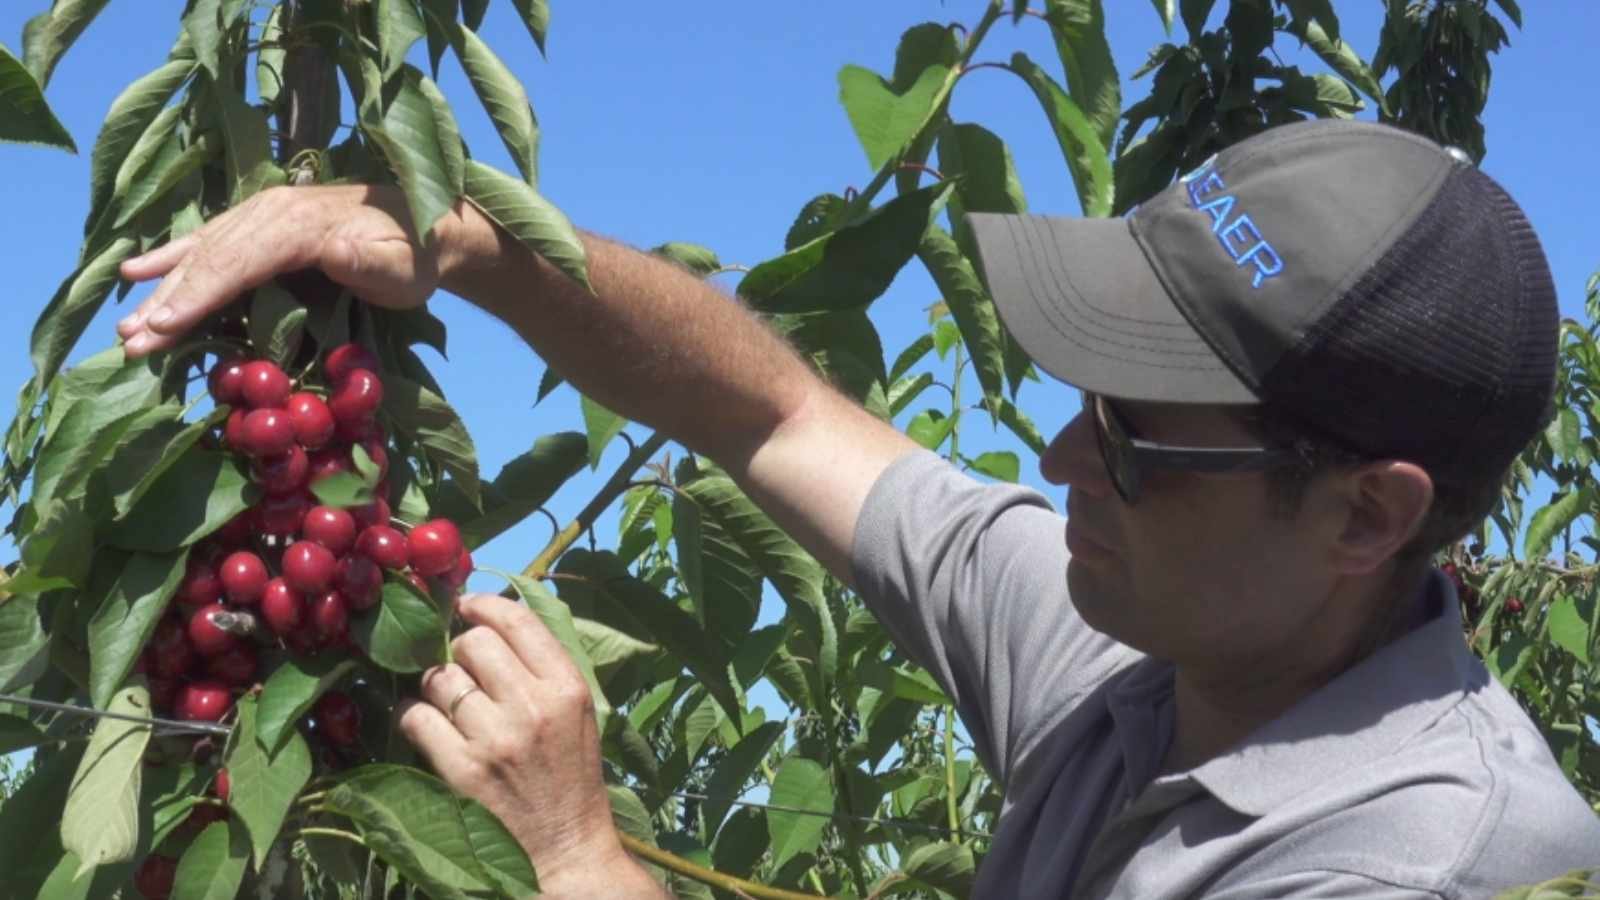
[1385,503]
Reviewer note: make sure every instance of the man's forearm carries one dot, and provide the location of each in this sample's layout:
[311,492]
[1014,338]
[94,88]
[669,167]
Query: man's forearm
[654,343]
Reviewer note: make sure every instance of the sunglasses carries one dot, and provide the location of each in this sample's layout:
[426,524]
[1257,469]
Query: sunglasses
[1127,456]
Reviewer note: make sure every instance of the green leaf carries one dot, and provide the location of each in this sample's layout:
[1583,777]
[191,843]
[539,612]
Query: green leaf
[248,147]
[609,649]
[700,260]
[1001,465]
[525,484]
[167,171]
[970,305]
[805,785]
[1166,9]
[504,99]
[419,138]
[124,622]
[263,785]
[1565,434]
[686,534]
[1022,426]
[131,114]
[910,356]
[1553,519]
[47,36]
[100,820]
[529,218]
[24,645]
[931,428]
[206,22]
[17,733]
[1080,143]
[1569,627]
[1512,11]
[602,425]
[902,393]
[850,267]
[57,552]
[557,616]
[536,15]
[943,866]
[140,461]
[1342,58]
[197,494]
[342,490]
[449,846]
[885,121]
[399,27]
[1195,13]
[424,415]
[291,692]
[405,633]
[213,866]
[1079,29]
[73,307]
[734,771]
[25,117]
[270,58]
[986,179]
[277,323]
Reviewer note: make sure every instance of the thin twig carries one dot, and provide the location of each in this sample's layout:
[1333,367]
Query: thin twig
[687,869]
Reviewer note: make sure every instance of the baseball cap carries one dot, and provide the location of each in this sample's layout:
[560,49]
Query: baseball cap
[1372,285]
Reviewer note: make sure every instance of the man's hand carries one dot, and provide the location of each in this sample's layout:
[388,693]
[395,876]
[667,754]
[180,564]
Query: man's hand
[511,724]
[358,235]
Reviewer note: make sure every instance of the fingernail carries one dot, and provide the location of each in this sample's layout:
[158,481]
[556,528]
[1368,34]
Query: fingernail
[127,322]
[135,344]
[161,316]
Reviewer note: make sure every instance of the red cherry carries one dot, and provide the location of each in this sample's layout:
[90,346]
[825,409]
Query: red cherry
[205,636]
[203,701]
[360,581]
[330,618]
[374,513]
[243,577]
[339,718]
[233,434]
[266,432]
[418,582]
[282,607]
[162,692]
[383,545]
[346,357]
[237,532]
[356,430]
[329,461]
[303,642]
[331,527]
[308,566]
[226,381]
[220,787]
[311,419]
[265,384]
[282,515]
[155,877]
[357,397]
[236,667]
[434,547]
[457,577]
[285,473]
[200,584]
[1514,605]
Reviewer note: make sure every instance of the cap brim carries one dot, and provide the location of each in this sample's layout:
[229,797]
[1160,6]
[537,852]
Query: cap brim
[1082,300]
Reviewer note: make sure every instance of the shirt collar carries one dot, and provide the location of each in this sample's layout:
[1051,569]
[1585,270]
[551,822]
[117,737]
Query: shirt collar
[1363,714]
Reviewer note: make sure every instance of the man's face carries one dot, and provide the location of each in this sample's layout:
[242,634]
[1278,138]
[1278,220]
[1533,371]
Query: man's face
[1199,570]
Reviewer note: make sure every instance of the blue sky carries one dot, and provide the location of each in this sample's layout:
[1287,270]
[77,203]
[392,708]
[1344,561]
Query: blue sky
[713,122]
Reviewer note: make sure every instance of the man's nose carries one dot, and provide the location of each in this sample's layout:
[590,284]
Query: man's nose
[1073,458]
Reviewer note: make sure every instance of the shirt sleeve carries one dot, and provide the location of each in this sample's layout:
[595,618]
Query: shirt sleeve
[970,580]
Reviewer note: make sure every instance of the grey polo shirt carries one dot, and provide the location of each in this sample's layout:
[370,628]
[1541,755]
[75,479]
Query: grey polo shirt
[1412,775]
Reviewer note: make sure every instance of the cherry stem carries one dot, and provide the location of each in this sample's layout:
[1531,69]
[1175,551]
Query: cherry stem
[920,167]
[334,833]
[986,65]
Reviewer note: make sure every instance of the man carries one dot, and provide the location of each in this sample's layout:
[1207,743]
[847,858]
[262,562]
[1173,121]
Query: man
[1306,367]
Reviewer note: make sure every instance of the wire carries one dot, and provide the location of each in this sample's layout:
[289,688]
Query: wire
[897,823]
[168,725]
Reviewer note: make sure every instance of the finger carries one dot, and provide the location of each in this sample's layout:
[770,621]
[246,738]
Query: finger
[491,662]
[522,630]
[435,738]
[474,712]
[161,260]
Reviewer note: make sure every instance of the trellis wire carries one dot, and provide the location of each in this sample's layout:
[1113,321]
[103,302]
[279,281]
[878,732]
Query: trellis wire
[169,726]
[897,823]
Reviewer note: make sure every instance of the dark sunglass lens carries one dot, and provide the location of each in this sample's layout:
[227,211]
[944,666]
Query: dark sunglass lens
[1114,447]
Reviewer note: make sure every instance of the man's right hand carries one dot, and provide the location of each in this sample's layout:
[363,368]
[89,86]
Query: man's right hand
[358,235]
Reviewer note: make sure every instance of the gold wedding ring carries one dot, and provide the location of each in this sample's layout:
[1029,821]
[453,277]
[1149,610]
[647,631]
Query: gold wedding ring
[460,697]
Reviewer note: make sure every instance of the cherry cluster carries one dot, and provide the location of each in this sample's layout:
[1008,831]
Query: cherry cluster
[292,571]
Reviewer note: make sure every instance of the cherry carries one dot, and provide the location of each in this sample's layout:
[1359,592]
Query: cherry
[162,692]
[237,532]
[418,582]
[266,432]
[345,358]
[457,577]
[1514,605]
[282,515]
[226,381]
[221,786]
[360,580]
[282,607]
[374,513]
[331,527]
[303,642]
[308,566]
[329,462]
[354,431]
[200,584]
[265,384]
[285,473]
[235,667]
[383,545]
[357,397]
[330,618]
[155,877]
[311,420]
[170,655]
[434,547]
[203,701]
[233,433]
[243,577]
[205,636]
[339,718]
